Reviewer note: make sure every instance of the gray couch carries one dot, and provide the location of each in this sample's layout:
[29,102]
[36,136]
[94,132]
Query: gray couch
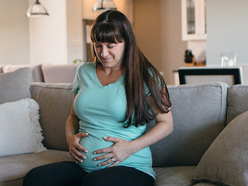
[200,113]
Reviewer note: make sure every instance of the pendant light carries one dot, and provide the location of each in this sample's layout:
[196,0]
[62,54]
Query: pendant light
[37,10]
[103,5]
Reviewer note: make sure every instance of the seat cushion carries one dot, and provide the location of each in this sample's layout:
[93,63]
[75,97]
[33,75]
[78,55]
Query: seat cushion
[199,115]
[181,175]
[206,184]
[14,168]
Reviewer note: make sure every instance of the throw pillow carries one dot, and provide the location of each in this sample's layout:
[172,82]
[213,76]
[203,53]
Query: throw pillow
[15,85]
[20,131]
[226,160]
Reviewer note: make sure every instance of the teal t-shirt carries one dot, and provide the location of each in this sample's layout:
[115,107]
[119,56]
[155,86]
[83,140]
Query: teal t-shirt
[101,110]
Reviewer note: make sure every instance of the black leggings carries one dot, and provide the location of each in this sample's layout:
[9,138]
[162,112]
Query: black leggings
[70,174]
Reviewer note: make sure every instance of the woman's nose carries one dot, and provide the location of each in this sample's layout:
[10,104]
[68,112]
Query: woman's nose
[104,51]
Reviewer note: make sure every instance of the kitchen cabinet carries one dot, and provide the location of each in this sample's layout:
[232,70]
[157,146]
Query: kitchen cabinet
[193,20]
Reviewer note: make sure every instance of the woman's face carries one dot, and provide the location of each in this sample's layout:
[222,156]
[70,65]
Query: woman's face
[109,54]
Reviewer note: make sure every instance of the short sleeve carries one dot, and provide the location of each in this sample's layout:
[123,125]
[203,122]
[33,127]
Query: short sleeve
[76,82]
[156,80]
[147,91]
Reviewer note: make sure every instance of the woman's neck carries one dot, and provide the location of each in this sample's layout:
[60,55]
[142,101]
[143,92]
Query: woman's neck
[107,76]
[110,70]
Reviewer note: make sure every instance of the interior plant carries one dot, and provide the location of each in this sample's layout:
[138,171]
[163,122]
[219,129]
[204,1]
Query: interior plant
[78,61]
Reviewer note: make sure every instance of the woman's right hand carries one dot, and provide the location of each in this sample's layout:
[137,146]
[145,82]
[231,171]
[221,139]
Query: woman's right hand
[74,146]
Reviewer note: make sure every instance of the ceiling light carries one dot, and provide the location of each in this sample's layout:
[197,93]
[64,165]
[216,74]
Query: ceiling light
[37,10]
[103,5]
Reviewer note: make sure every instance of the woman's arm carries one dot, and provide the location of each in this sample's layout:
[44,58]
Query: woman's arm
[122,149]
[163,127]
[73,137]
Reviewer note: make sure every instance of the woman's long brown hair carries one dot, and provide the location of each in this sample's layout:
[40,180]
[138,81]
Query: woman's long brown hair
[113,27]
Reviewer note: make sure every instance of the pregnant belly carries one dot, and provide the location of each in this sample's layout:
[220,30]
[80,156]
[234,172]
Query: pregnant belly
[93,143]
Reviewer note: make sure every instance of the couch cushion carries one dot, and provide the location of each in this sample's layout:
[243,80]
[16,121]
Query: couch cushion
[181,175]
[55,101]
[20,130]
[59,73]
[37,75]
[15,85]
[226,160]
[1,69]
[237,101]
[14,168]
[206,184]
[199,116]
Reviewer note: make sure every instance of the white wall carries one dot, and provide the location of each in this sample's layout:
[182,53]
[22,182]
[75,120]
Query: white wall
[227,30]
[48,36]
[56,39]
[157,25]
[14,32]
[125,6]
[74,19]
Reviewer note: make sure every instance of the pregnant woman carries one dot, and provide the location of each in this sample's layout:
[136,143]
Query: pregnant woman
[114,98]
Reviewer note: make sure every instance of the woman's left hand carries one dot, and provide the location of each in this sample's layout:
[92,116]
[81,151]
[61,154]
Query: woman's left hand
[117,153]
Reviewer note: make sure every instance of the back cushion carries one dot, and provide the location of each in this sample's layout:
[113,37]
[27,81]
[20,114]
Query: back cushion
[55,101]
[199,116]
[59,73]
[37,75]
[237,101]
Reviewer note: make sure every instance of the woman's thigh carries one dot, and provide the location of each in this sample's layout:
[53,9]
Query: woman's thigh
[119,175]
[57,174]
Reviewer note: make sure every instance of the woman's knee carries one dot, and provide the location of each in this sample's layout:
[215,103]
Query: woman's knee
[119,175]
[94,179]
[55,174]
[33,178]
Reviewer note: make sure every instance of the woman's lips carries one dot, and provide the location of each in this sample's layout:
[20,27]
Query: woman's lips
[106,59]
